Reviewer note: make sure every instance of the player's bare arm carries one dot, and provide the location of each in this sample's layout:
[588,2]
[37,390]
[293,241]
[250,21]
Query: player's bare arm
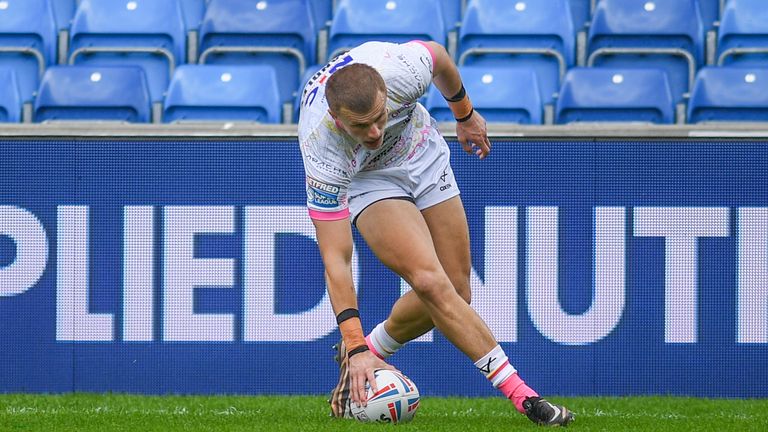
[334,239]
[471,130]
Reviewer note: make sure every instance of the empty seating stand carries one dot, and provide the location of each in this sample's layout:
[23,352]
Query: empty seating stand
[93,93]
[146,33]
[727,94]
[223,93]
[278,33]
[509,95]
[660,34]
[10,101]
[399,21]
[615,95]
[743,34]
[536,34]
[27,41]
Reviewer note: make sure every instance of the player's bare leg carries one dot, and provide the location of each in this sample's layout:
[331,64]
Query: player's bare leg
[398,234]
[410,249]
[447,225]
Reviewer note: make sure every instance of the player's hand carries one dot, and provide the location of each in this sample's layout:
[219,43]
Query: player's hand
[361,367]
[473,135]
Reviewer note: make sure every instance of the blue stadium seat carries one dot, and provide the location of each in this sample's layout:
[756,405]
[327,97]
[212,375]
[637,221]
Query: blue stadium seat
[147,33]
[615,95]
[499,94]
[536,34]
[710,13]
[743,35]
[93,93]
[192,11]
[359,21]
[581,12]
[10,102]
[223,93]
[63,11]
[649,34]
[279,33]
[27,41]
[322,12]
[729,94]
[451,13]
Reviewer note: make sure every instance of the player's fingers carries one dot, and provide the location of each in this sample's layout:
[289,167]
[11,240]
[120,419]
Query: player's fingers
[467,146]
[486,144]
[370,377]
[353,390]
[358,389]
[486,149]
[372,381]
[483,144]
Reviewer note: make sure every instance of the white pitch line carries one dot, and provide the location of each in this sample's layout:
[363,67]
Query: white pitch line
[176,411]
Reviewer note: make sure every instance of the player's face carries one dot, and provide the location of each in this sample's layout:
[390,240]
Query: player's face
[368,128]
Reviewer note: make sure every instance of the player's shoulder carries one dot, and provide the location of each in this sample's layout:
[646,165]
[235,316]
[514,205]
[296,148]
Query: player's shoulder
[378,51]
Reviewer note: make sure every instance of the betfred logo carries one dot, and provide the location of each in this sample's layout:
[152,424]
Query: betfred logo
[323,187]
[321,194]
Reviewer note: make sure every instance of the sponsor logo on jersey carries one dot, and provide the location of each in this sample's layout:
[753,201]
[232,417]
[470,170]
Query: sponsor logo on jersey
[320,194]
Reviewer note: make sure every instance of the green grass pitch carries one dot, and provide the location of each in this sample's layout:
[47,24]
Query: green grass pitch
[112,412]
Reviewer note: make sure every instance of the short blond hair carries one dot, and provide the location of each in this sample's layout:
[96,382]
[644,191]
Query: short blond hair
[354,87]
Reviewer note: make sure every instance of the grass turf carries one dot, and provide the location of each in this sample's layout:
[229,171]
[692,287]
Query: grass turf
[111,412]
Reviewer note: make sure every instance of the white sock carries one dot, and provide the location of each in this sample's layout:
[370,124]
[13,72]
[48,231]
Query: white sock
[495,366]
[381,343]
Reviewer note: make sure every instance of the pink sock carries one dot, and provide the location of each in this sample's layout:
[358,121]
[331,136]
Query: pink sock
[517,391]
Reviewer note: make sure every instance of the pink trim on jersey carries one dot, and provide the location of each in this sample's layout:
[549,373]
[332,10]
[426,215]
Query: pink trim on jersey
[427,46]
[329,216]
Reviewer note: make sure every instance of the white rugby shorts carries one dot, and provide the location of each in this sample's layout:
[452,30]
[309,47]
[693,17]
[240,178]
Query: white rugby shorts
[426,179]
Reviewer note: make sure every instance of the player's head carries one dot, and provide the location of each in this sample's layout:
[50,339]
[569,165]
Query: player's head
[357,99]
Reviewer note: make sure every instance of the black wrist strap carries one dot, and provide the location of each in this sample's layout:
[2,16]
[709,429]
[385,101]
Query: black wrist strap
[458,96]
[358,350]
[467,117]
[347,314]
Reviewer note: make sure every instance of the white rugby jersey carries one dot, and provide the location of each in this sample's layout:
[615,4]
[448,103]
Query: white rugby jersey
[331,157]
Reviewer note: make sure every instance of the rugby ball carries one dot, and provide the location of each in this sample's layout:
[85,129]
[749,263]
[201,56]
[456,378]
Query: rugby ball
[396,400]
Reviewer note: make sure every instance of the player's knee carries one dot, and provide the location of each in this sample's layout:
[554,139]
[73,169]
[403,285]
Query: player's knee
[431,286]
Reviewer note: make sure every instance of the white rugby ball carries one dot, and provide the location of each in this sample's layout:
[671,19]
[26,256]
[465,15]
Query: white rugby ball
[396,400]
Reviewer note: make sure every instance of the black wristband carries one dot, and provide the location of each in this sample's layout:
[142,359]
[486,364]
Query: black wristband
[467,117]
[358,350]
[458,96]
[346,314]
